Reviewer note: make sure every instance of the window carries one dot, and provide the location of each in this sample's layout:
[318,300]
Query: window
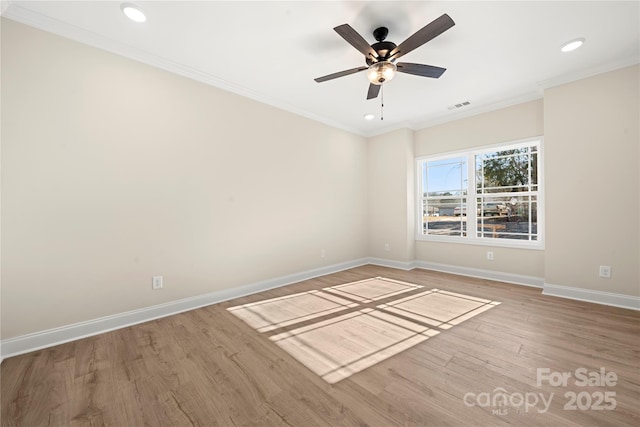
[488,195]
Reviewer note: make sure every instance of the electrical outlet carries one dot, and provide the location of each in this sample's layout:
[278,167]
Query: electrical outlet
[605,271]
[156,282]
[490,255]
[323,253]
[387,247]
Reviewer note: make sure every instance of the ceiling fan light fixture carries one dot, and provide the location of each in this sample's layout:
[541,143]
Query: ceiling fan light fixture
[133,12]
[369,116]
[572,45]
[381,72]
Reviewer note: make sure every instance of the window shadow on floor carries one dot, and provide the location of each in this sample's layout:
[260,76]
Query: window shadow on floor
[344,329]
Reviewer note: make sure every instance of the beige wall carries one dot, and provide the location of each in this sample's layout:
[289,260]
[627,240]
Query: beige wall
[2,9]
[391,196]
[504,125]
[593,184]
[508,124]
[591,152]
[113,171]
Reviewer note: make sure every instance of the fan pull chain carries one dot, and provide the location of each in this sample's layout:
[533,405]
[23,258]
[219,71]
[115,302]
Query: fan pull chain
[382,102]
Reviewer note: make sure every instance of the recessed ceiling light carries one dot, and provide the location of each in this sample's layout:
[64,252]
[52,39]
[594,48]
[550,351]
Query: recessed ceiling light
[369,116]
[572,45]
[133,12]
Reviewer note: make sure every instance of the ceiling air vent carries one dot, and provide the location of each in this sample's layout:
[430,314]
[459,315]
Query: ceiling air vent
[460,105]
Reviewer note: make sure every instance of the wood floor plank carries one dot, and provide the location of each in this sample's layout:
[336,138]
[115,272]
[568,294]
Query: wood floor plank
[209,367]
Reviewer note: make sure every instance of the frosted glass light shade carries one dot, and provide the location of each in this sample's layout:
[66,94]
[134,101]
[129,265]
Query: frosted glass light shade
[381,72]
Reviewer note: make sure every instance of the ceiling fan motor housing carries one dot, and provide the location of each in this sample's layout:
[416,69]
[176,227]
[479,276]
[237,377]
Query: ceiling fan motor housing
[384,49]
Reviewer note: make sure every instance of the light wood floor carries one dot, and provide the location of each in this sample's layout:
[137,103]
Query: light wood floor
[211,367]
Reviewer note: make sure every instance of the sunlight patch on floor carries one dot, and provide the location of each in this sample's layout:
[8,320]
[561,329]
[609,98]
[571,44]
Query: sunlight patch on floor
[338,348]
[372,289]
[275,313]
[438,308]
[341,330]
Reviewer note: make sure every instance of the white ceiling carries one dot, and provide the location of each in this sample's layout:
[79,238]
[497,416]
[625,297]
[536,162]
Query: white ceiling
[497,54]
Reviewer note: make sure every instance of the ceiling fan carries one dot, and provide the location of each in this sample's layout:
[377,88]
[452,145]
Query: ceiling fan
[381,57]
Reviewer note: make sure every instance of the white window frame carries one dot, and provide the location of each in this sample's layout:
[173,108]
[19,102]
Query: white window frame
[472,224]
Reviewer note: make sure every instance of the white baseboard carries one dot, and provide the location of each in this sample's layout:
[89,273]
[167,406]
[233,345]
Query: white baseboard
[518,279]
[400,265]
[36,341]
[598,297]
[48,338]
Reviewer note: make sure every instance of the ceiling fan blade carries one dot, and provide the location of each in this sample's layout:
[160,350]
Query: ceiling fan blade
[339,74]
[420,69]
[374,90]
[356,40]
[420,37]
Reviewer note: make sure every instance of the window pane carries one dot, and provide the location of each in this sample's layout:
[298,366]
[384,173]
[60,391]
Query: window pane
[508,217]
[443,217]
[444,195]
[447,176]
[512,170]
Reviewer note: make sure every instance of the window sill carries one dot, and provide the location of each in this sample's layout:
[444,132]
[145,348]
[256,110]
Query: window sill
[502,243]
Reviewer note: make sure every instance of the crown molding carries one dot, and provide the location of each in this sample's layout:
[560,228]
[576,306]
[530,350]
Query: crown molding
[13,10]
[479,109]
[45,23]
[589,72]
[536,92]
